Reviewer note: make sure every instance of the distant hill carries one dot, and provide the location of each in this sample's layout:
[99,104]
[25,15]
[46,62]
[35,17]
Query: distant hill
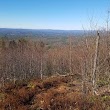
[15,33]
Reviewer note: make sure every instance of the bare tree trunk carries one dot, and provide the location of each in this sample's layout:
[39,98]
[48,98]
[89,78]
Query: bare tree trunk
[41,68]
[108,43]
[84,88]
[95,64]
[14,77]
[70,55]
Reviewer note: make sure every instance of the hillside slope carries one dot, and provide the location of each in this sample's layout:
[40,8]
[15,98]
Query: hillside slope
[53,93]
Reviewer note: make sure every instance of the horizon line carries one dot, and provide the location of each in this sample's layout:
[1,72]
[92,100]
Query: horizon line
[49,29]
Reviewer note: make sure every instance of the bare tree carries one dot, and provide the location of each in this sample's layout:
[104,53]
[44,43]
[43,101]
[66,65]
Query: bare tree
[107,30]
[41,58]
[95,63]
[70,55]
[108,42]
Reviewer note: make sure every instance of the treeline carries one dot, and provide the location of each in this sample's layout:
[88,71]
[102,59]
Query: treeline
[23,59]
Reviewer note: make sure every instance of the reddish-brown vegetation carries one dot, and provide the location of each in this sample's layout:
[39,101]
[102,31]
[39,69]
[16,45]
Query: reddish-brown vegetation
[53,93]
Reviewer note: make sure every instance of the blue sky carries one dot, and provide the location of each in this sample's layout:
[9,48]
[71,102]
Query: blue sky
[53,14]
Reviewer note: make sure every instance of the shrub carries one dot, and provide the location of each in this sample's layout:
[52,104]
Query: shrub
[101,83]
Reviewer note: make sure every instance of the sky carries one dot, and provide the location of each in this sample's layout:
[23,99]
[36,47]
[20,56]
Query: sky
[53,14]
